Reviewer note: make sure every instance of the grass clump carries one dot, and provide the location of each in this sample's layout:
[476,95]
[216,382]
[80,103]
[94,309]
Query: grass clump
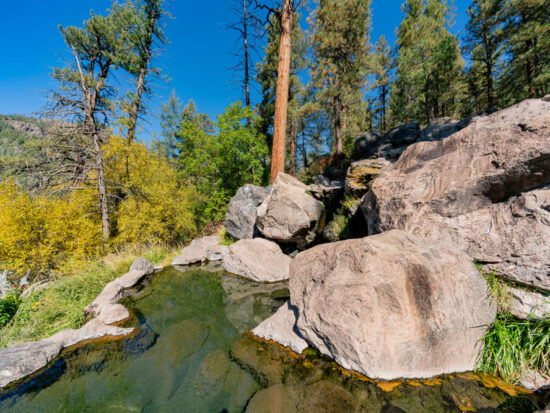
[8,307]
[59,304]
[513,347]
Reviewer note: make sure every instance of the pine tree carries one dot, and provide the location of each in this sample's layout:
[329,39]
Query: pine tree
[142,37]
[340,39]
[526,63]
[483,44]
[267,78]
[283,81]
[429,65]
[381,69]
[170,114]
[84,101]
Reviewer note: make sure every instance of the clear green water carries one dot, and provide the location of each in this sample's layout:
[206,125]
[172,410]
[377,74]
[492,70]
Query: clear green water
[178,362]
[190,355]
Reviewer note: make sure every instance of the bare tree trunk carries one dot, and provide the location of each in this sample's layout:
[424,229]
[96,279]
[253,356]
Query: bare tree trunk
[338,125]
[292,132]
[488,73]
[102,189]
[281,101]
[246,57]
[383,92]
[304,148]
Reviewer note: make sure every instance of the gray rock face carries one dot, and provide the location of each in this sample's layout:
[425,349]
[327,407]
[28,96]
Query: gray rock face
[142,265]
[281,327]
[259,259]
[361,173]
[200,250]
[403,134]
[485,188]
[365,144]
[19,361]
[525,304]
[289,214]
[392,305]
[240,219]
[321,180]
[4,283]
[440,128]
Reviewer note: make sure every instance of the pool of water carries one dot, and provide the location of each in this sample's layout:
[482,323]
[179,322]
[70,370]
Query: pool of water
[191,354]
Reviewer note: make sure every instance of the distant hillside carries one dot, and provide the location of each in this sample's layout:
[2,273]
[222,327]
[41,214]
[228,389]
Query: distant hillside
[17,132]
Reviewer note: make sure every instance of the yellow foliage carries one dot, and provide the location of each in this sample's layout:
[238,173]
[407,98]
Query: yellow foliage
[37,233]
[155,208]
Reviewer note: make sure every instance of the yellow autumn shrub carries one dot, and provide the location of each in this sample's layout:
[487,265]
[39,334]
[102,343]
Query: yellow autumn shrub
[38,233]
[155,207]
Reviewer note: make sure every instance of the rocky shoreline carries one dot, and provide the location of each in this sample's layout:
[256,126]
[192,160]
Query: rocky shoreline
[20,361]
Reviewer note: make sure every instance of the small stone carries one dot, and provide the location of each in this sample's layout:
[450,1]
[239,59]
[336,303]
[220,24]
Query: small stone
[142,265]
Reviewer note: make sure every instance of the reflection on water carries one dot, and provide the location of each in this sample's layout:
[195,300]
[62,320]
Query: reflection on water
[178,359]
[190,355]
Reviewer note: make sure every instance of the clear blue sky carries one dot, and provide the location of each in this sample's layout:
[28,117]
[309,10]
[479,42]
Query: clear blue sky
[196,60]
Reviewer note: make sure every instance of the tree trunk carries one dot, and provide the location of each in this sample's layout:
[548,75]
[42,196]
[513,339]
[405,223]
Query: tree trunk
[281,101]
[488,72]
[383,92]
[292,132]
[143,71]
[304,148]
[102,189]
[337,107]
[246,57]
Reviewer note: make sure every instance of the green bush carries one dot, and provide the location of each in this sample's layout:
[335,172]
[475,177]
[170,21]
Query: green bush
[8,308]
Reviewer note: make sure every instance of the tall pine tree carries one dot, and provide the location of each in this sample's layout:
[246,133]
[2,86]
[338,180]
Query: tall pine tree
[340,39]
[381,69]
[429,65]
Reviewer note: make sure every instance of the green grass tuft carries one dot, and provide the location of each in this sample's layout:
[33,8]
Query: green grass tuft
[513,347]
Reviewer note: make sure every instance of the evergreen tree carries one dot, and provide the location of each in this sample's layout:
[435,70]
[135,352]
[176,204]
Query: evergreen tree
[340,39]
[139,22]
[267,77]
[483,44]
[526,65]
[381,69]
[170,114]
[429,66]
[84,101]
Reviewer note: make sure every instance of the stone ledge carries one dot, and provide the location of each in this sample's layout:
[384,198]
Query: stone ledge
[22,360]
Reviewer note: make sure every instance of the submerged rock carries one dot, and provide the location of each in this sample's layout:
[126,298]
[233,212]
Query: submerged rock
[201,250]
[240,219]
[289,214]
[258,259]
[485,188]
[392,305]
[281,327]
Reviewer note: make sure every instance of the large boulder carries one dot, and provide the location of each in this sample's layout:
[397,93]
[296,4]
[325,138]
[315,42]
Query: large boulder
[392,305]
[201,250]
[281,327]
[525,304]
[485,188]
[259,259]
[289,214]
[361,173]
[240,219]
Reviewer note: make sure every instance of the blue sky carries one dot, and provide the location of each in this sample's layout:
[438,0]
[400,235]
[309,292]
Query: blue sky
[197,60]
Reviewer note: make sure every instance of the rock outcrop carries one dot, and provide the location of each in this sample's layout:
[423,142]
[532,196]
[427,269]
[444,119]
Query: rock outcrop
[361,173]
[289,215]
[240,220]
[392,305]
[259,259]
[281,327]
[201,250]
[20,361]
[485,188]
[525,304]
